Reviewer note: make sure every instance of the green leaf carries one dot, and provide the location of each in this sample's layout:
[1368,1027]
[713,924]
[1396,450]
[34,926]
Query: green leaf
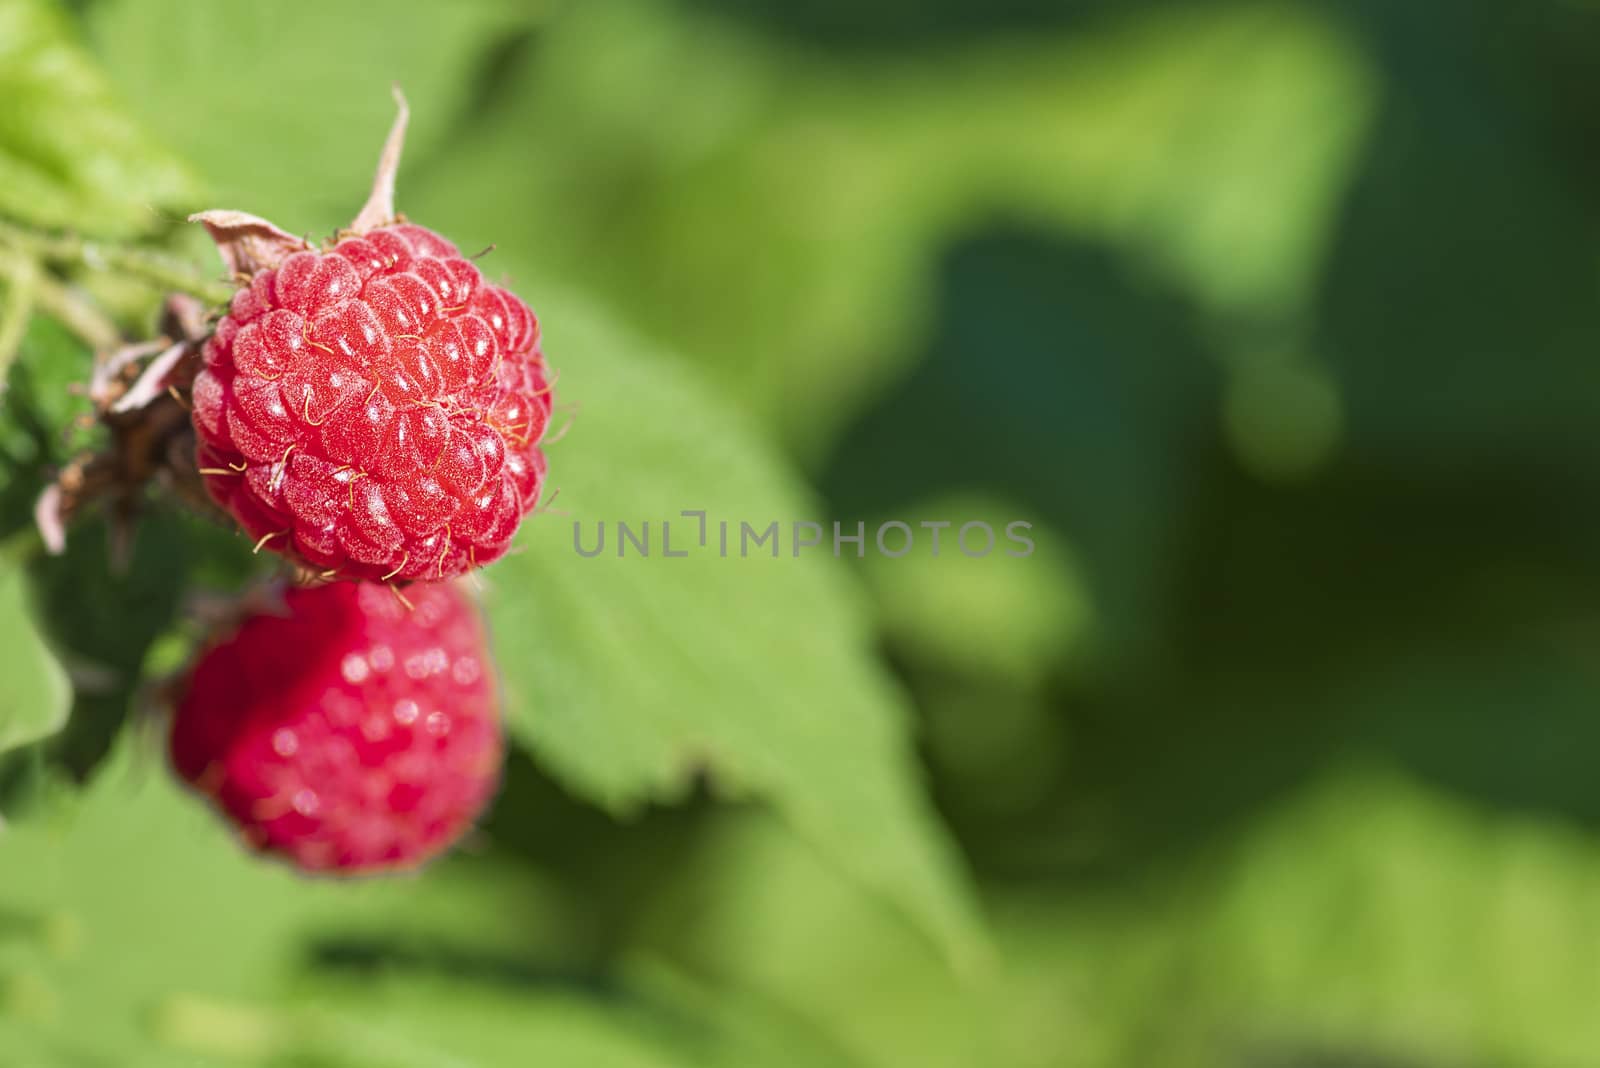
[647,1016]
[35,697]
[307,90]
[630,677]
[426,1021]
[70,156]
[46,405]
[134,930]
[134,871]
[102,619]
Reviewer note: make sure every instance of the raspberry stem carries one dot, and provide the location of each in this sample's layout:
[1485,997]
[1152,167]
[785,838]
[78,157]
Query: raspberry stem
[165,272]
[59,301]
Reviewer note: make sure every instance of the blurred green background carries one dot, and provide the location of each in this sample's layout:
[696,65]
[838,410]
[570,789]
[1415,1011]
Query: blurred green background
[1278,322]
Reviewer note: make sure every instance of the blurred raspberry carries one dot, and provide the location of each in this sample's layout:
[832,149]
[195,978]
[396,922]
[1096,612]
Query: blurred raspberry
[346,732]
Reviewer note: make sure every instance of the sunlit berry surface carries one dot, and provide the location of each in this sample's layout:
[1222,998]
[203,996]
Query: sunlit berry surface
[374,411]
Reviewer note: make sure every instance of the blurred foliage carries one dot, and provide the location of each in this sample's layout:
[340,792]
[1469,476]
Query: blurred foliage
[36,704]
[130,906]
[70,155]
[1277,323]
[1211,143]
[233,87]
[1028,600]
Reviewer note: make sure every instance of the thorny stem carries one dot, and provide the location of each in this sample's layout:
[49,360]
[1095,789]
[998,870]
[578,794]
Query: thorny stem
[164,271]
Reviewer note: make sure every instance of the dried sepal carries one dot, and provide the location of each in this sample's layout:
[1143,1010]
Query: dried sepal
[248,243]
[379,208]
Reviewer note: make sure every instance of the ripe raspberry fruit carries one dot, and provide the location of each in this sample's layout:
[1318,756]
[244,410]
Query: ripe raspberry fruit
[346,733]
[372,408]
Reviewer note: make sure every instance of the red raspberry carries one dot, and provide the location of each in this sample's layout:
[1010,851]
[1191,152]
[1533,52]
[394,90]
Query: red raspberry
[374,410]
[347,734]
